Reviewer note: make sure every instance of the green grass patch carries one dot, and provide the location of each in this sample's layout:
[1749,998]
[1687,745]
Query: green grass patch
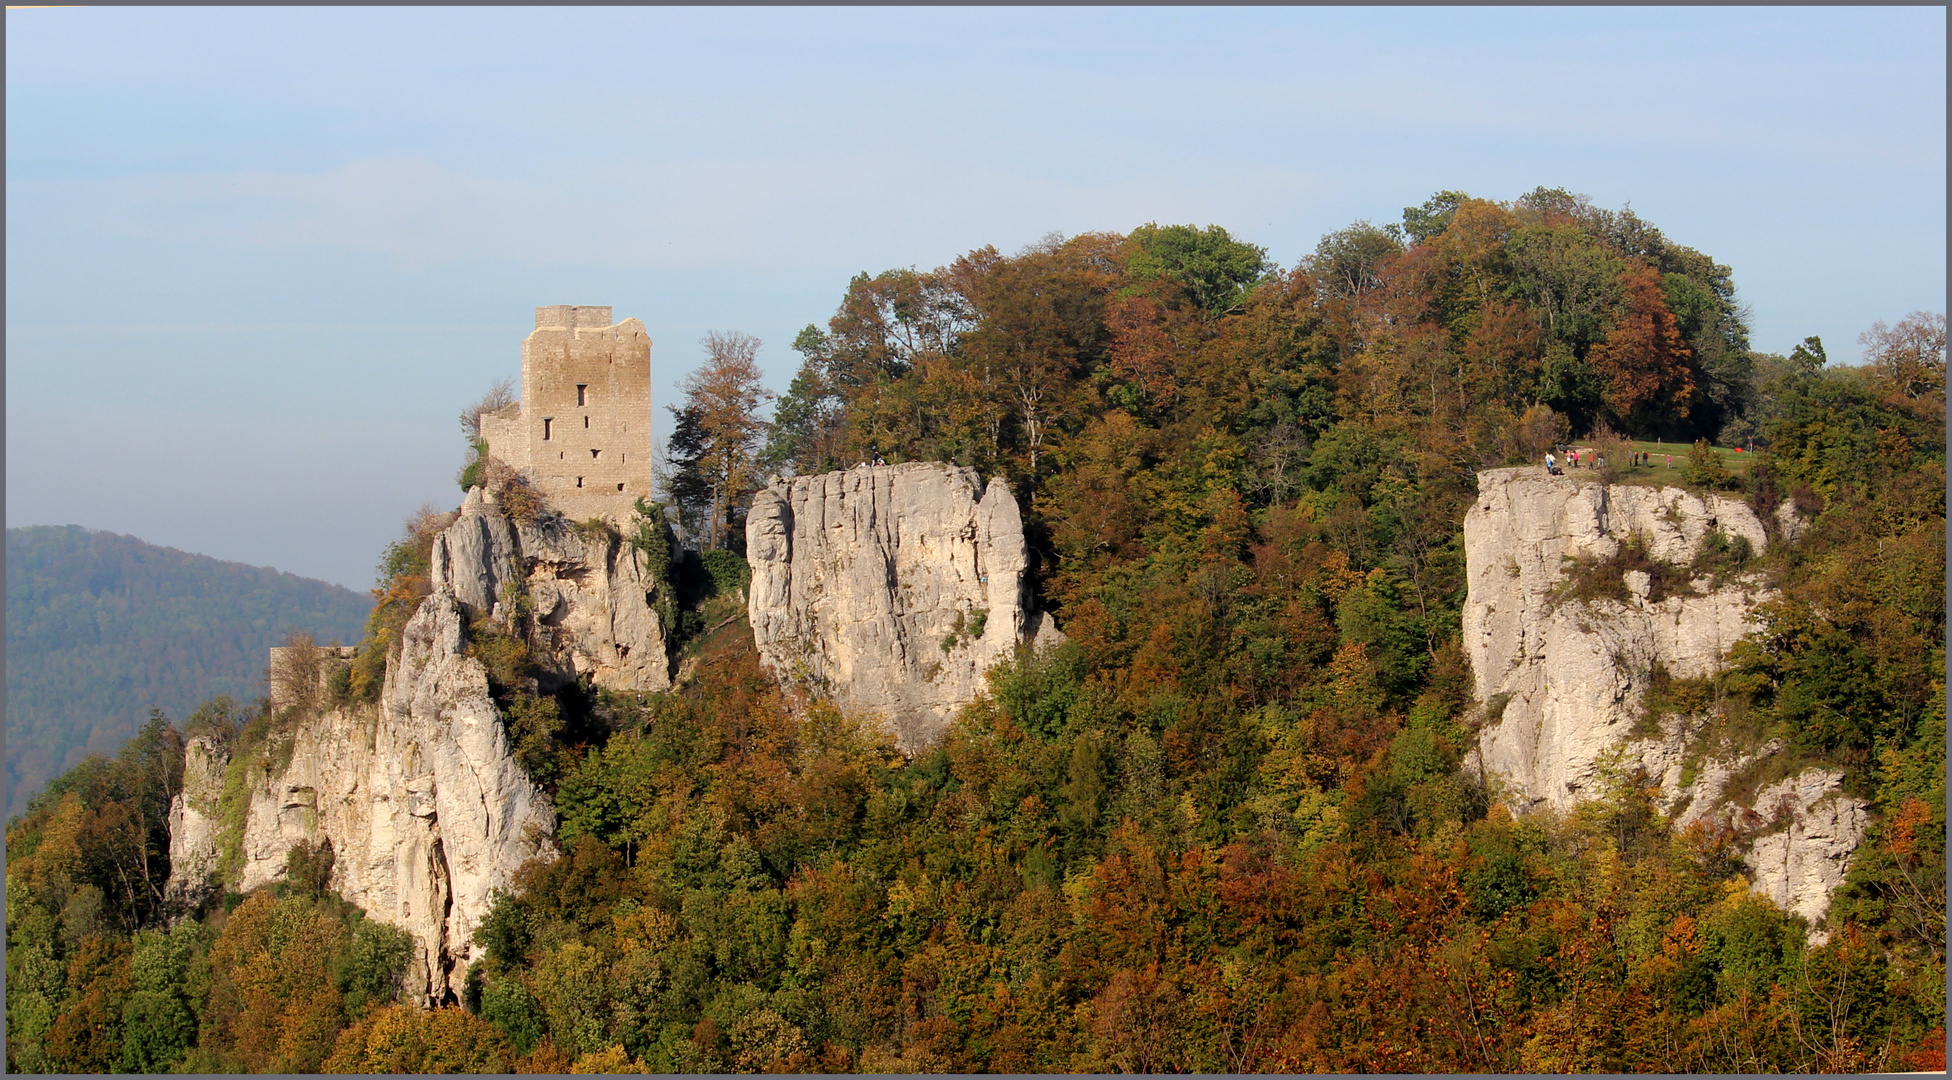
[1719,558]
[1659,473]
[968,627]
[1587,579]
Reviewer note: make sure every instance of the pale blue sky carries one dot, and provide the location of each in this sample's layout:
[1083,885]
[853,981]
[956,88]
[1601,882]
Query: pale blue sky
[257,260]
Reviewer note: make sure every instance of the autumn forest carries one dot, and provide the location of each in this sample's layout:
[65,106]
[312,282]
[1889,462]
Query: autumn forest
[1228,826]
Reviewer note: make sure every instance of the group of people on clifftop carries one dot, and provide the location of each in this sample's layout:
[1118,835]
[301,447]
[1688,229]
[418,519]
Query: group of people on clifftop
[1593,459]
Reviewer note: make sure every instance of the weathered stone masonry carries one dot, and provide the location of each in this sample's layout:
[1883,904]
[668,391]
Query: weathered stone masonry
[582,431]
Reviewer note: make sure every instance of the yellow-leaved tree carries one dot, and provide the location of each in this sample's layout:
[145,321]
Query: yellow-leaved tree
[716,437]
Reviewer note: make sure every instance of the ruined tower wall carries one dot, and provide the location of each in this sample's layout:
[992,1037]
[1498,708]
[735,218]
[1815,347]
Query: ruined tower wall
[506,437]
[582,431]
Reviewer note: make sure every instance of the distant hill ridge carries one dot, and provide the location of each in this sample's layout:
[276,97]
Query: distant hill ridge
[103,627]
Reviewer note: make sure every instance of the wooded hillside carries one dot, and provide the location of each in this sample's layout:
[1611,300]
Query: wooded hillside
[102,628]
[1226,827]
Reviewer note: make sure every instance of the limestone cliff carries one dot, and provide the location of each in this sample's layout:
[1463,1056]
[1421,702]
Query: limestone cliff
[1563,675]
[425,806]
[586,593]
[892,589]
[194,824]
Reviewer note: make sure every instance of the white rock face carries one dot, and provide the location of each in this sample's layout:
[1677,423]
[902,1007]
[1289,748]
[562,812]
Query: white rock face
[426,808]
[193,821]
[1571,674]
[858,578]
[1563,679]
[1818,826]
[591,603]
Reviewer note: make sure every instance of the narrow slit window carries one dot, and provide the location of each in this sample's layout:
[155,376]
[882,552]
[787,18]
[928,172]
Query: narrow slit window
[579,481]
[586,421]
[582,394]
[545,428]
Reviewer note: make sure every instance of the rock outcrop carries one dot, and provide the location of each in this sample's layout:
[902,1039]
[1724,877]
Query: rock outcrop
[1810,827]
[193,820]
[1563,676]
[891,589]
[420,796]
[586,592]
[1566,676]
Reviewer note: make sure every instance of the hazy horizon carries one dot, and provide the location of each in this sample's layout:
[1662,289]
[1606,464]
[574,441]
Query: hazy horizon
[259,259]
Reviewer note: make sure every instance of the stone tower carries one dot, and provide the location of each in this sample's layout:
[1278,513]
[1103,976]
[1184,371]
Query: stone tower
[582,431]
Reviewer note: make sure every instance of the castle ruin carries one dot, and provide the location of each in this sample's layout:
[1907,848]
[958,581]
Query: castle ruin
[581,433]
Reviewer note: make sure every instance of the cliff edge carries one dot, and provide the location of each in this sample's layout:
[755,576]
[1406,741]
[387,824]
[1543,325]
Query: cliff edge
[1582,596]
[891,589]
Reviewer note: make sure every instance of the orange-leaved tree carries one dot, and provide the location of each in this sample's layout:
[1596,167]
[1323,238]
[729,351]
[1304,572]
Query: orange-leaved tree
[1645,363]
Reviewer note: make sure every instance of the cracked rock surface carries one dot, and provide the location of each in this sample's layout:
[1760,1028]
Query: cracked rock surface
[891,589]
[1813,827]
[1563,679]
[427,809]
[1568,674]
